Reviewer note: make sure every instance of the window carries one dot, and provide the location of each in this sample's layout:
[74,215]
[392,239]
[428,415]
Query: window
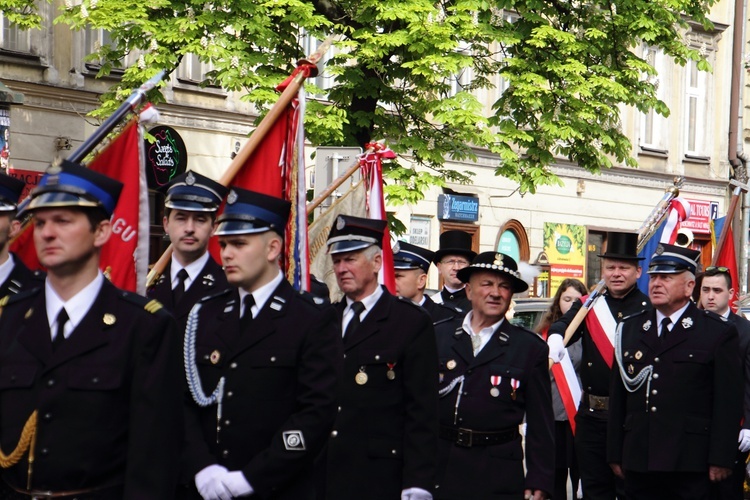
[695,110]
[19,42]
[192,70]
[15,39]
[94,38]
[653,126]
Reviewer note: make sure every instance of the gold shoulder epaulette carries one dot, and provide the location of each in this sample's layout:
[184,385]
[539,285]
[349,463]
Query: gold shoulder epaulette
[153,306]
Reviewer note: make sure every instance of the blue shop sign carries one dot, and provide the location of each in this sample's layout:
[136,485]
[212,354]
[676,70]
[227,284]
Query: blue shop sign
[455,207]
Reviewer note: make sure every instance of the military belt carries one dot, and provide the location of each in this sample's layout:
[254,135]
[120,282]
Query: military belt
[468,437]
[592,402]
[85,493]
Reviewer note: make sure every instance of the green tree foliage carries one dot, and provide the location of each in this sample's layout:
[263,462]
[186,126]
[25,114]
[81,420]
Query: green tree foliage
[567,66]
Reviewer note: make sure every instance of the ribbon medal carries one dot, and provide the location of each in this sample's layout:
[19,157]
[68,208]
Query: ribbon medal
[515,384]
[361,377]
[495,381]
[390,373]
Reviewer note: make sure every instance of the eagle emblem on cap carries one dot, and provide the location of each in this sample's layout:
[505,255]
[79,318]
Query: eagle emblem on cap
[232,198]
[396,248]
[340,223]
[498,260]
[659,249]
[190,179]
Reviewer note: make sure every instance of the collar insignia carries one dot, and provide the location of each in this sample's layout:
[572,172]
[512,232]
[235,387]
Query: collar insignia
[687,322]
[109,319]
[647,326]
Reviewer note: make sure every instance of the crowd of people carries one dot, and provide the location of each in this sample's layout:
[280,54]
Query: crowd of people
[225,382]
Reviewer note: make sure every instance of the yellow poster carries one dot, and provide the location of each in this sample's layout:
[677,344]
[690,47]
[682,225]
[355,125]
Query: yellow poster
[565,246]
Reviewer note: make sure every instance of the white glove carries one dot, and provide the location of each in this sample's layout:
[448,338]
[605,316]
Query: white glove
[556,348]
[522,429]
[415,494]
[744,440]
[210,485]
[237,484]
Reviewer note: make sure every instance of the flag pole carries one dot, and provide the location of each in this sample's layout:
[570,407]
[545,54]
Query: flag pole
[338,181]
[298,77]
[738,189]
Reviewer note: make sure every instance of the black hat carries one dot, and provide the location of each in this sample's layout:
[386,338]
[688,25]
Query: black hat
[454,243]
[495,262]
[72,185]
[671,259]
[408,256]
[248,212]
[349,234]
[621,246]
[10,190]
[194,192]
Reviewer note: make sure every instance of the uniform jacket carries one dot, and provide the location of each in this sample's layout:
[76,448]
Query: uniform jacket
[691,417]
[440,312]
[20,279]
[385,436]
[210,280]
[457,299]
[595,371]
[743,329]
[281,379]
[495,471]
[108,400]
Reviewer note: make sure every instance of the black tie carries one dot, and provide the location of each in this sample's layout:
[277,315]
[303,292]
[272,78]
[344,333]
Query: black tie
[247,314]
[665,328]
[62,318]
[357,308]
[179,289]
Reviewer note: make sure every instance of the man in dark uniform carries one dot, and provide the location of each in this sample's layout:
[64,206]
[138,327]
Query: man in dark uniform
[384,442]
[620,271]
[454,254]
[267,358]
[492,373]
[676,395]
[716,293]
[90,373]
[411,264]
[189,218]
[14,275]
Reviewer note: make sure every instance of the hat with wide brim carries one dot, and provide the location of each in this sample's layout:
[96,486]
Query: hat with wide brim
[498,263]
[621,246]
[454,243]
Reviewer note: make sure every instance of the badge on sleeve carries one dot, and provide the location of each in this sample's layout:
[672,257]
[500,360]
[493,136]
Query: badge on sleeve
[293,440]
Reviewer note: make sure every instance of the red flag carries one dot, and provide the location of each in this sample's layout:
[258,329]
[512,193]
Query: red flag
[371,166]
[277,169]
[124,258]
[727,257]
[23,244]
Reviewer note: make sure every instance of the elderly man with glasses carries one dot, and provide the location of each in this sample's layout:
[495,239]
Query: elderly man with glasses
[454,254]
[716,294]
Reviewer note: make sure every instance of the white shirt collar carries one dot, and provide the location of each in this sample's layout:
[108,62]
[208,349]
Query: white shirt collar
[674,316]
[369,302]
[77,306]
[193,269]
[261,295]
[6,268]
[485,333]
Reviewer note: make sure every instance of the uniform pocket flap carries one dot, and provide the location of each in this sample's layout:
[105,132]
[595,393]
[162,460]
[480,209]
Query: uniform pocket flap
[692,356]
[276,358]
[376,357]
[507,371]
[384,448]
[94,378]
[695,425]
[17,376]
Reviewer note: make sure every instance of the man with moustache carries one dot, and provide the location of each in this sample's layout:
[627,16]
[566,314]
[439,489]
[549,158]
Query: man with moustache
[411,264]
[384,441]
[716,293]
[454,254]
[90,386]
[676,394]
[190,209]
[262,362]
[620,271]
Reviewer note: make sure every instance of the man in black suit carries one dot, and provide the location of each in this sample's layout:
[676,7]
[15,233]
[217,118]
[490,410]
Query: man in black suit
[410,264]
[14,275]
[454,254]
[716,293]
[190,209]
[493,373]
[384,442]
[90,373]
[267,358]
[676,394]
[620,270]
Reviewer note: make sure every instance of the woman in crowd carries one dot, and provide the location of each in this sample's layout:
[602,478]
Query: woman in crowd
[568,292]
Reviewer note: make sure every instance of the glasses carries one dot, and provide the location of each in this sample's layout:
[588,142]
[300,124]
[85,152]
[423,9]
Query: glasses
[712,270]
[455,262]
